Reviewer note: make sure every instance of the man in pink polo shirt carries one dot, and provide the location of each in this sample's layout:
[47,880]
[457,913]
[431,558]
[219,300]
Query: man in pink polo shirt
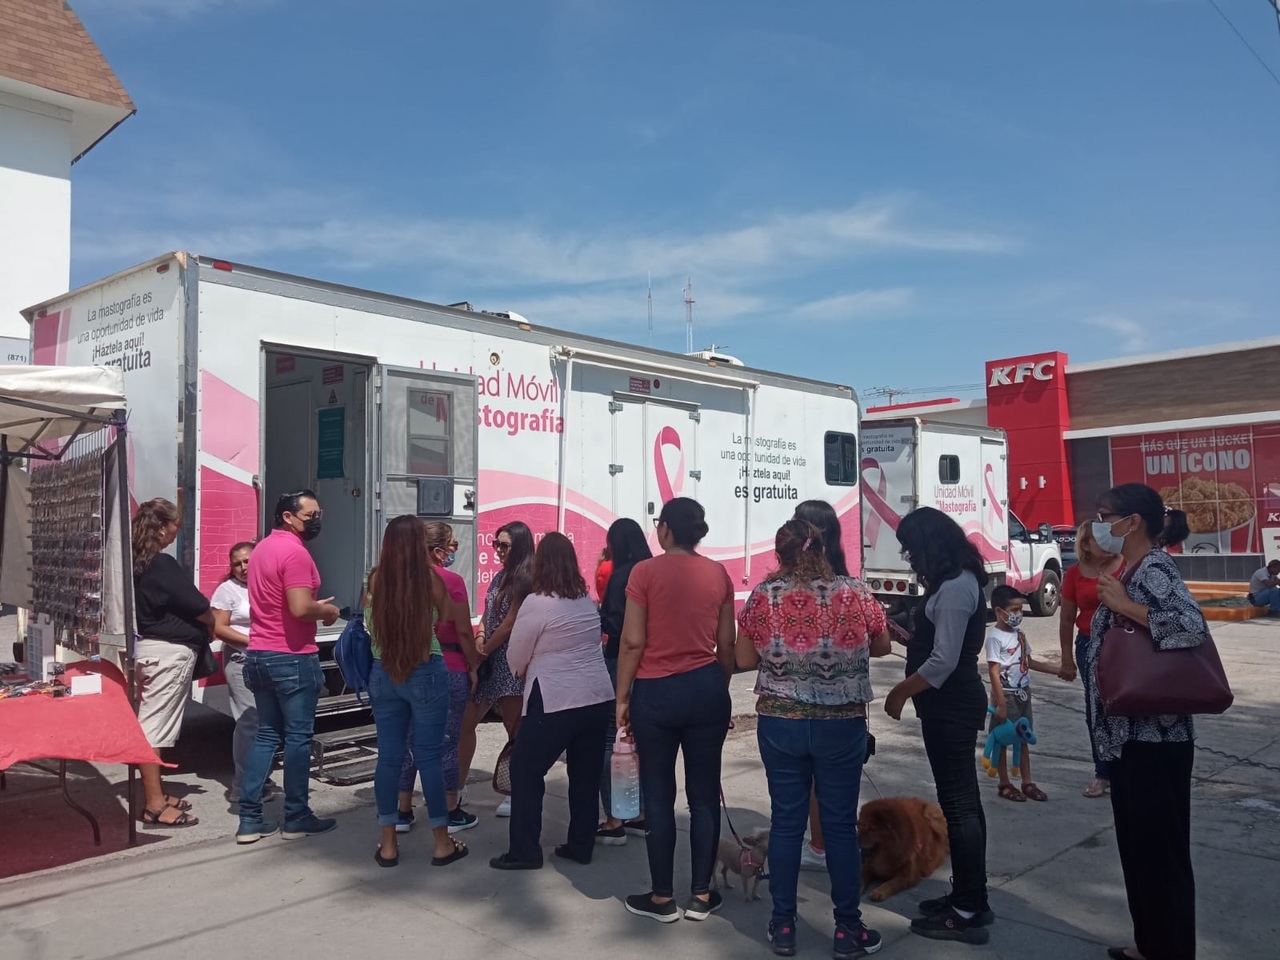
[282,667]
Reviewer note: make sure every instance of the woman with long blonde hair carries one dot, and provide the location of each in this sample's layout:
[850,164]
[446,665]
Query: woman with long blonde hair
[408,686]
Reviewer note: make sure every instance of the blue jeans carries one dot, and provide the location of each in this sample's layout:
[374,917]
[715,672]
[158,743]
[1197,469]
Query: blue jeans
[1269,597]
[685,713]
[286,688]
[1101,768]
[420,703]
[459,694]
[827,754]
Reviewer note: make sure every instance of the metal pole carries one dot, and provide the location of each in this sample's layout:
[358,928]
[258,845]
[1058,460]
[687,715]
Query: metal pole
[126,589]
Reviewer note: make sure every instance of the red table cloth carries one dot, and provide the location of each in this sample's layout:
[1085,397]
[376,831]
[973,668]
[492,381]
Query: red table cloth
[99,728]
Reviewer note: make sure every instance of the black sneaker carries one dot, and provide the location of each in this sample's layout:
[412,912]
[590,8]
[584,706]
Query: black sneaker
[642,905]
[854,941]
[931,908]
[617,837]
[782,934]
[508,862]
[311,826]
[565,852]
[950,926]
[697,909]
[460,820]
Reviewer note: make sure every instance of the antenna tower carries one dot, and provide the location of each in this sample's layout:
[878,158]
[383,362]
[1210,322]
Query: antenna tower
[651,308]
[688,315]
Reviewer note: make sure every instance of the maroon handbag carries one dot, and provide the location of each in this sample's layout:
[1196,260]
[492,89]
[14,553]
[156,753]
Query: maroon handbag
[1137,679]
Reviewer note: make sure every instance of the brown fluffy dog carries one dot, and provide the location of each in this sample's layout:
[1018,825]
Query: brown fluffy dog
[903,840]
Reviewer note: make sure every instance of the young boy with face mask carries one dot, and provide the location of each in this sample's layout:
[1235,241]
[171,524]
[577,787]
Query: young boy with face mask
[1010,663]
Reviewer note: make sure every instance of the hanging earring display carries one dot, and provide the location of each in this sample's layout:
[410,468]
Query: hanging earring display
[66,543]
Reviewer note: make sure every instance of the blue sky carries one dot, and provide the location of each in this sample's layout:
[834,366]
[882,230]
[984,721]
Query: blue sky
[875,193]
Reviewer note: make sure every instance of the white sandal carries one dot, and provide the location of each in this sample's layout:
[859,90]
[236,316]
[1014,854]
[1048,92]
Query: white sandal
[1097,788]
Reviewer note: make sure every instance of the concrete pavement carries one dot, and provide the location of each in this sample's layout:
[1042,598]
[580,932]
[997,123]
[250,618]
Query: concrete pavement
[1055,877]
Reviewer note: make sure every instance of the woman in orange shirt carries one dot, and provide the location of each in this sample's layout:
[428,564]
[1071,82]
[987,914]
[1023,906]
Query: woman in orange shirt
[677,647]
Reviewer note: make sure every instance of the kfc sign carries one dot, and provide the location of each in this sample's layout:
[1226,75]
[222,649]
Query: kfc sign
[1019,372]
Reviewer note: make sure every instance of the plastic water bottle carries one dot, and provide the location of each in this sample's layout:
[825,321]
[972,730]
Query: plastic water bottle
[624,780]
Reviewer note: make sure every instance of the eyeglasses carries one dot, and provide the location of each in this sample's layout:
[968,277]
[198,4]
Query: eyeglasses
[1104,517]
[657,522]
[315,515]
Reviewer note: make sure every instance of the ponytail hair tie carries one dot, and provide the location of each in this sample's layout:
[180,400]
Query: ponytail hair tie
[1168,511]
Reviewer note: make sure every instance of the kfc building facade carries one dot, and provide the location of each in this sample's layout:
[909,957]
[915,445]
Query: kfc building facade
[1202,426]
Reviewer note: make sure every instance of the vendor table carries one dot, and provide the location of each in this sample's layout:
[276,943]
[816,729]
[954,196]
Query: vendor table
[98,728]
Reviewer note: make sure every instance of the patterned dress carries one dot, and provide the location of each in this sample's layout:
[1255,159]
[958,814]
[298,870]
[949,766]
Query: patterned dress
[500,682]
[1176,621]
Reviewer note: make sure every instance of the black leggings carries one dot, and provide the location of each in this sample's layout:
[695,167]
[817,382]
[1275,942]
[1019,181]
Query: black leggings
[689,713]
[950,748]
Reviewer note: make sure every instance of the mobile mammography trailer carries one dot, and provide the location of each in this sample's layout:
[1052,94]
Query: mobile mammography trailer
[960,470]
[244,383]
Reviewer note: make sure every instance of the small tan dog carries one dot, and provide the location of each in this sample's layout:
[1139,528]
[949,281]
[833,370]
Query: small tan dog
[746,861]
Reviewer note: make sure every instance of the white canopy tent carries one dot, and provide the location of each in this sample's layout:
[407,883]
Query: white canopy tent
[43,409]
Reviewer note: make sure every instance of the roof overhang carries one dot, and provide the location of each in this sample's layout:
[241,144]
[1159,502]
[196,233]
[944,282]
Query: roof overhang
[90,120]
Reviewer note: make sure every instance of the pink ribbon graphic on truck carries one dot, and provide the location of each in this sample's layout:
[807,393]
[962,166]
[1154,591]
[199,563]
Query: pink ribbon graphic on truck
[881,512]
[669,484]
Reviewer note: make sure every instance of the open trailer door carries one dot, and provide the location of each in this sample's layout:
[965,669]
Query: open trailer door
[426,428]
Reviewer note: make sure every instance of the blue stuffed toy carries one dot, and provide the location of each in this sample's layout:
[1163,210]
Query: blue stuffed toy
[1007,734]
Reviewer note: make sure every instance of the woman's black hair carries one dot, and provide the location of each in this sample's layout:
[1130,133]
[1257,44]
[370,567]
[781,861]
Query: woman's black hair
[823,516]
[686,520]
[626,543]
[517,571]
[938,549]
[1166,527]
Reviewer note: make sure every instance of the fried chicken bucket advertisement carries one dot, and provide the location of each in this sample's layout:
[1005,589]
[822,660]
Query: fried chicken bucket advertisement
[1227,480]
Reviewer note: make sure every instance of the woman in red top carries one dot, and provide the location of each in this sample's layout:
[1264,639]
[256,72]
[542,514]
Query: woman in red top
[677,647]
[604,570]
[1079,604]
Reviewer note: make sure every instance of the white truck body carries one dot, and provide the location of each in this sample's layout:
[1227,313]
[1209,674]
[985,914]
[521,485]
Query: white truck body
[244,383]
[960,470]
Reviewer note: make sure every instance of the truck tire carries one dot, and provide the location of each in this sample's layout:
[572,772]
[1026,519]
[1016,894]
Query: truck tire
[1046,600]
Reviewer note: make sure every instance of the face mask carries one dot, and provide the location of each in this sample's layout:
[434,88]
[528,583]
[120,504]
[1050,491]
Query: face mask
[1107,541]
[448,560]
[310,529]
[1013,620]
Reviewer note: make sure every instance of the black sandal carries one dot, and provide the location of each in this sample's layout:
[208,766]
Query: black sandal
[152,818]
[177,803]
[385,861]
[459,851]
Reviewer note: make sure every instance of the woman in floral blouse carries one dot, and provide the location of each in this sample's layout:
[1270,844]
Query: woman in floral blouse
[1150,757]
[812,633]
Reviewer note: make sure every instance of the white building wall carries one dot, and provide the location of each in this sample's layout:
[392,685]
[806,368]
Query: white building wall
[35,207]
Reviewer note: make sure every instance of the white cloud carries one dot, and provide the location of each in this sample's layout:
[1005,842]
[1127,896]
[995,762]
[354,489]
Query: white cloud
[514,253]
[179,9]
[1131,334]
[859,303]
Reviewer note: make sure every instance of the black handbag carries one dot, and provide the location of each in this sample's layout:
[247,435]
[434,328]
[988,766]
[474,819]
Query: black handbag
[206,663]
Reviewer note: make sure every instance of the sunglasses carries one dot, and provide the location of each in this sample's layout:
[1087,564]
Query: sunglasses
[501,546]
